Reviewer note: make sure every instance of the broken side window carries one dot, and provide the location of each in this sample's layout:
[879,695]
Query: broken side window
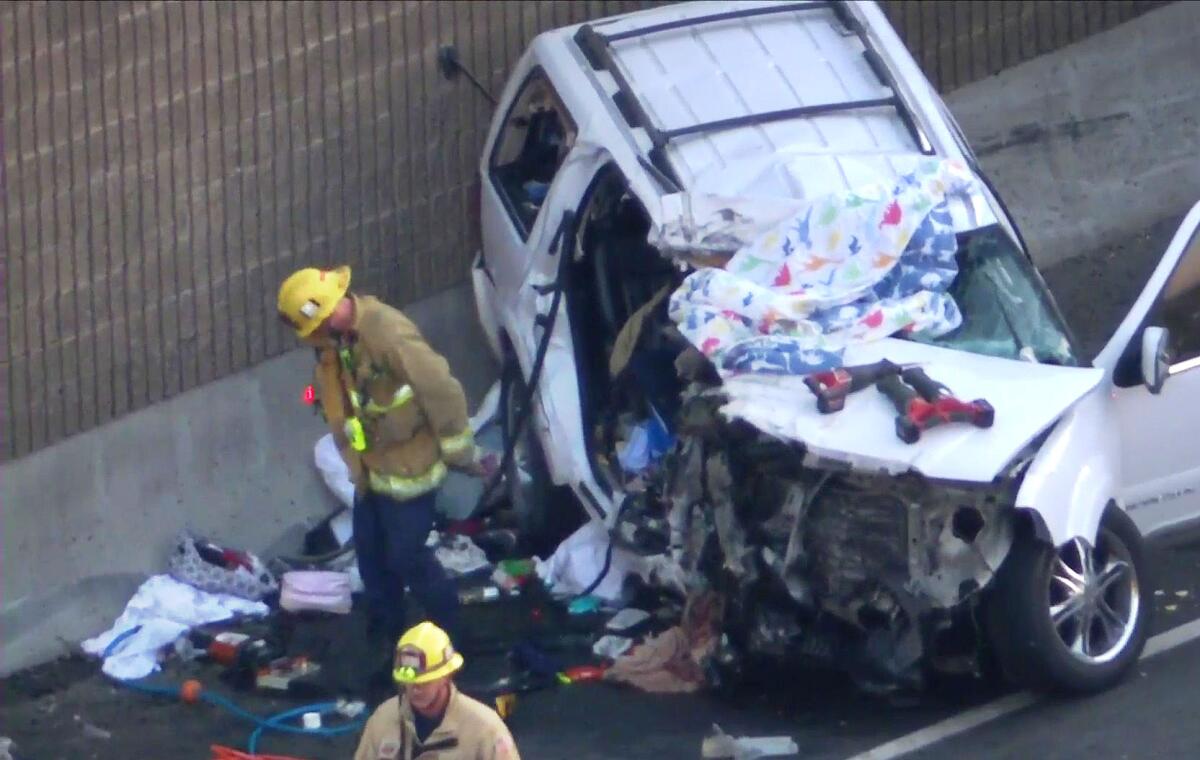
[535,139]
[1006,308]
[1181,305]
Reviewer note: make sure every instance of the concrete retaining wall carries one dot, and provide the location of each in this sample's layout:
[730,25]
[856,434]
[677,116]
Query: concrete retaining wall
[87,519]
[1098,139]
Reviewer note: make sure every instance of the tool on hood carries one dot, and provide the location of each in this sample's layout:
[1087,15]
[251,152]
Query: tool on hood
[924,403]
[832,387]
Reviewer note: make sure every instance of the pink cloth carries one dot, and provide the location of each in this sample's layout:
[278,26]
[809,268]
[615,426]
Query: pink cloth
[671,663]
[315,590]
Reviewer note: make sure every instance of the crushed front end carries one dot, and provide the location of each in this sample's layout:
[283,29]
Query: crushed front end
[876,574]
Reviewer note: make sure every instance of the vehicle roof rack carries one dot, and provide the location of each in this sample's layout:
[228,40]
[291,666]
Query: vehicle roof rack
[597,48]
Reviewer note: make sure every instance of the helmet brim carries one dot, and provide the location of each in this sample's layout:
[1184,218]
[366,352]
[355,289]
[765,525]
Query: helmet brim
[450,667]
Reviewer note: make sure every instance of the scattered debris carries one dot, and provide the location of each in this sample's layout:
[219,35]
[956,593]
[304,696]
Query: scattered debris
[611,646]
[458,554]
[162,610]
[1171,607]
[721,745]
[1159,592]
[584,605]
[92,731]
[320,590]
[479,595]
[673,661]
[219,570]
[647,443]
[1181,594]
[351,708]
[627,619]
[584,559]
[280,674]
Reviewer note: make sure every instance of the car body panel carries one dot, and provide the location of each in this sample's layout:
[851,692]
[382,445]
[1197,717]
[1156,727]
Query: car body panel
[1027,399]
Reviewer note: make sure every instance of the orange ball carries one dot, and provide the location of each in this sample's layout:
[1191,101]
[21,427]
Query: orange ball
[189,692]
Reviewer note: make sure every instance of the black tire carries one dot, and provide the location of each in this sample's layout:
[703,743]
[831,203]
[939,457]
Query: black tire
[542,511]
[1032,651]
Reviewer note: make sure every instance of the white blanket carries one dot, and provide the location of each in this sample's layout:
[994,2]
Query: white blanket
[165,609]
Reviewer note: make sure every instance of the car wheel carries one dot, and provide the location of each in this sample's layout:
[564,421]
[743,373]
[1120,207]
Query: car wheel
[543,512]
[1073,618]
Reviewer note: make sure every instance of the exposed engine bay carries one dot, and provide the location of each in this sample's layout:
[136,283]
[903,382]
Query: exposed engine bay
[874,573]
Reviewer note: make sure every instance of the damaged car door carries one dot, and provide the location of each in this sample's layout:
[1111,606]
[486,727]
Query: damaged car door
[537,171]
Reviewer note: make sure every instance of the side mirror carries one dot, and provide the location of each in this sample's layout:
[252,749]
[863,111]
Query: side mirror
[1156,357]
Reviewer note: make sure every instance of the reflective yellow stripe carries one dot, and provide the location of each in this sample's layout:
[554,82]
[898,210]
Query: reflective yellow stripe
[355,434]
[408,488]
[402,396]
[456,443]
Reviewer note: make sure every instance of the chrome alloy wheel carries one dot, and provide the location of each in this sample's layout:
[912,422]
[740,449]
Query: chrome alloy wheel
[1094,597]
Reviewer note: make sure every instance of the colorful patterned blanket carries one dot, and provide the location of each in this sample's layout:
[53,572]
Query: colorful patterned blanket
[847,268]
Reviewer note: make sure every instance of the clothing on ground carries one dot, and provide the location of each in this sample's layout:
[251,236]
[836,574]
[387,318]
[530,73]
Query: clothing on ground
[673,661]
[162,610]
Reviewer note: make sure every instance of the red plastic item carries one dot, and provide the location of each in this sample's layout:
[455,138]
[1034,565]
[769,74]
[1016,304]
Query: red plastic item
[582,673]
[310,395]
[189,692]
[220,752]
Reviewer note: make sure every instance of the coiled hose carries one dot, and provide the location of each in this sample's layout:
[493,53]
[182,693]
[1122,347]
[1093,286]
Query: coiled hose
[191,692]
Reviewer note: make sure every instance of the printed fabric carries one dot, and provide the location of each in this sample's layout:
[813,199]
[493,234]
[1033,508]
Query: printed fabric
[847,268]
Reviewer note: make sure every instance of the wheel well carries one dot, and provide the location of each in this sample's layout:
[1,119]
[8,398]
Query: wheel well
[1029,522]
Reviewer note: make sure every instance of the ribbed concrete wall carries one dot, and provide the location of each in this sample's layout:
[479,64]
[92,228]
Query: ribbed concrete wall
[165,164]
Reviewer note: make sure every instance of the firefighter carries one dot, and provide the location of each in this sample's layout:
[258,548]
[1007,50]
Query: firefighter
[400,420]
[430,717]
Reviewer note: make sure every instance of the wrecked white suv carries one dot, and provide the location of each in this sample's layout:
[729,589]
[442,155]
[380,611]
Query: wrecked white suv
[689,214]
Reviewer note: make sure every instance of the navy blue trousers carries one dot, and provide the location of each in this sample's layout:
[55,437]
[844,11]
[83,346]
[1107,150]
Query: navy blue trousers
[389,536]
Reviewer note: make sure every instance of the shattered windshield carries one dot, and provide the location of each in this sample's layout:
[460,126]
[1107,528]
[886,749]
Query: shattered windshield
[1005,306]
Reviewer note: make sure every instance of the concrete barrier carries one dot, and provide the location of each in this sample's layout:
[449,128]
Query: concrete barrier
[88,519]
[1098,139]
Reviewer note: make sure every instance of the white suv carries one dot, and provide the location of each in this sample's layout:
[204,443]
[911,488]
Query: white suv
[630,153]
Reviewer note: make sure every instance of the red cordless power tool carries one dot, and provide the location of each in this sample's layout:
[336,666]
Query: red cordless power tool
[924,403]
[832,387]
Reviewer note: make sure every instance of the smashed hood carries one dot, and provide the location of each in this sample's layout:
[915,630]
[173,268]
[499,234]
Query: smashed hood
[1028,398]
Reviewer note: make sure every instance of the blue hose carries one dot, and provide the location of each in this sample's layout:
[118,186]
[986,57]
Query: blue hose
[273,723]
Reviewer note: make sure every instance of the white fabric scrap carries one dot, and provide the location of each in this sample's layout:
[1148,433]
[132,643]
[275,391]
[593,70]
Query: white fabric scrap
[460,555]
[486,412]
[611,647]
[578,561]
[722,745]
[333,469]
[165,609]
[627,618]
